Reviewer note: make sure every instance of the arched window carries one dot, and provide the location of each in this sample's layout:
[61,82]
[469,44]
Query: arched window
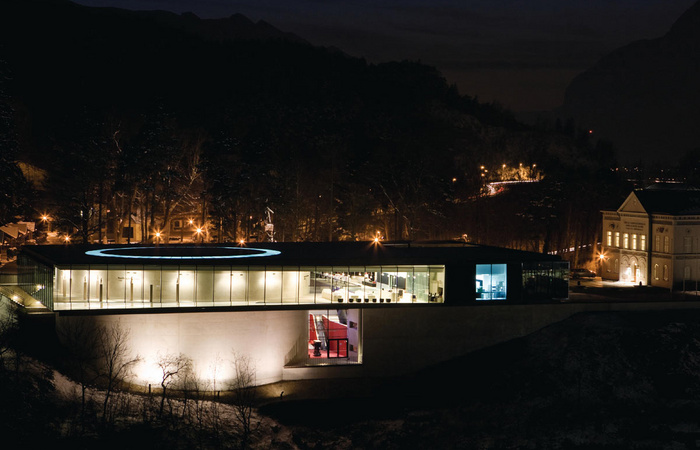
[665,272]
[656,271]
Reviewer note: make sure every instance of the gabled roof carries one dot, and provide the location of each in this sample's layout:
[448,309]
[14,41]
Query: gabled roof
[632,204]
[675,202]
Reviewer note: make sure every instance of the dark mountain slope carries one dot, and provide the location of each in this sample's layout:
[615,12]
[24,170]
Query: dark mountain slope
[67,60]
[139,106]
[645,97]
[235,27]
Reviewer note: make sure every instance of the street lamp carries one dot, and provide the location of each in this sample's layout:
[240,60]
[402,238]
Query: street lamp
[199,233]
[601,260]
[47,222]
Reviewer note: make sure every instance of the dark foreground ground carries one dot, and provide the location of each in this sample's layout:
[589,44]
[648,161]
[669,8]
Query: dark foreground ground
[612,380]
[595,381]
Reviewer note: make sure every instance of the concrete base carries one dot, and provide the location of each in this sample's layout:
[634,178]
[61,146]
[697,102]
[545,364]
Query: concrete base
[394,340]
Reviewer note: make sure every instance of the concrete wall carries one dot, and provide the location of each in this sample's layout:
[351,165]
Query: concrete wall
[404,340]
[395,340]
[209,338]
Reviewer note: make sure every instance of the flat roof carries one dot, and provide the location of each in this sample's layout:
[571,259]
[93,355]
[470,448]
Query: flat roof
[282,254]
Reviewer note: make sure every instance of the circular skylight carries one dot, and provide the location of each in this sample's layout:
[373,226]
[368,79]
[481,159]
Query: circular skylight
[182,253]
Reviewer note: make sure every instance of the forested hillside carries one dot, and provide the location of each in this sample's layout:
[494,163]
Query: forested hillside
[131,114]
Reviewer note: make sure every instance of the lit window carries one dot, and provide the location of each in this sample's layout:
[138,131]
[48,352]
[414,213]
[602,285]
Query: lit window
[491,282]
[643,243]
[634,242]
[609,238]
[656,271]
[334,337]
[667,246]
[665,272]
[626,240]
[617,239]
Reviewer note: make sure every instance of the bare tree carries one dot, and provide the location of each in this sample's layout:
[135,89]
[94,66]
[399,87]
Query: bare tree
[79,338]
[12,336]
[244,394]
[216,423]
[8,331]
[198,411]
[192,390]
[116,360]
[173,368]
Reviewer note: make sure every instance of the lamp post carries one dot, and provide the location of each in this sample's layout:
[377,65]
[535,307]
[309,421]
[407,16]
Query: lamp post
[191,224]
[601,260]
[200,234]
[46,219]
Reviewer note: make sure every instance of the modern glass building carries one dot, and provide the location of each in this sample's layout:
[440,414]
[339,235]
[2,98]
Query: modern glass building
[298,304]
[352,274]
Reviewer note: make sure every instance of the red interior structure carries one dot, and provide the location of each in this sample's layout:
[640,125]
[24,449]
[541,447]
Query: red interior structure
[335,336]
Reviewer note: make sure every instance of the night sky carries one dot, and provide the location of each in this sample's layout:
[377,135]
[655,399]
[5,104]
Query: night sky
[521,53]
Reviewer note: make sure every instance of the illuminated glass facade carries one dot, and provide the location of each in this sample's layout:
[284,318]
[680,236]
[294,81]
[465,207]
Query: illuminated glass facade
[281,275]
[136,286]
[36,279]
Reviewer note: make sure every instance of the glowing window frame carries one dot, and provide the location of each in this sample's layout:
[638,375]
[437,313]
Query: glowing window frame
[263,253]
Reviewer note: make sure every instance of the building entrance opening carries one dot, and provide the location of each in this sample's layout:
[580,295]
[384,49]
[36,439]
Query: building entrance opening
[334,337]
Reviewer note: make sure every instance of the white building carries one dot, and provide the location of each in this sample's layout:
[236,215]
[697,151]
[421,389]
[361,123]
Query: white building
[653,238]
